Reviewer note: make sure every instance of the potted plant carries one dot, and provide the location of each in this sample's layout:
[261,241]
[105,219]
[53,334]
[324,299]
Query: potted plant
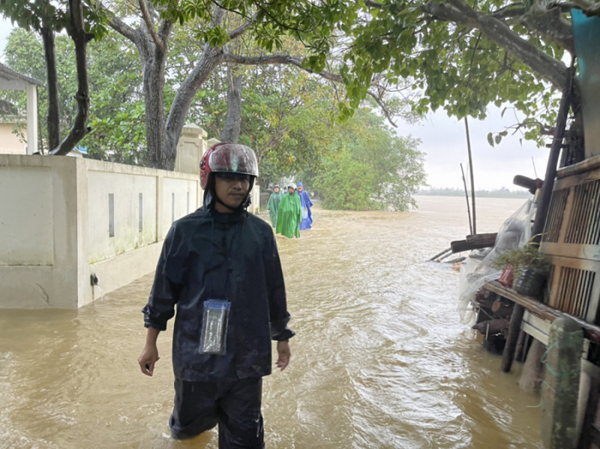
[529,267]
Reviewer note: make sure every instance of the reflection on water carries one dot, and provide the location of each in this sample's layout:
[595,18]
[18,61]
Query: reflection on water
[379,361]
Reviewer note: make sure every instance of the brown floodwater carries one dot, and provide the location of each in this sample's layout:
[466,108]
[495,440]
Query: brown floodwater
[379,361]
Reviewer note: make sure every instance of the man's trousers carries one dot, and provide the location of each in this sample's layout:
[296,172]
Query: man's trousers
[233,405]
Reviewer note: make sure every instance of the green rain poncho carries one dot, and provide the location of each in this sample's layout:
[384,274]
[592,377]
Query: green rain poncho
[289,216]
[273,206]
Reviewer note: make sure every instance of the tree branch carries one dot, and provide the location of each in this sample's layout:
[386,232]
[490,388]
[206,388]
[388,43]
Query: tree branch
[549,23]
[373,4]
[150,25]
[122,28]
[278,59]
[231,128]
[459,12]
[241,29]
[164,29]
[297,62]
[383,107]
[509,12]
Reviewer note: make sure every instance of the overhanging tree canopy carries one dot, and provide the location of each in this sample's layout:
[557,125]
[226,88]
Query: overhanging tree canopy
[465,55]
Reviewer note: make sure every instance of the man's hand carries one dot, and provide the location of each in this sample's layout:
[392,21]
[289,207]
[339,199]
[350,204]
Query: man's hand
[148,358]
[283,349]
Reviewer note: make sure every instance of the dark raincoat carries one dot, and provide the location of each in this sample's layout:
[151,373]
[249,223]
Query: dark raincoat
[188,273]
[273,207]
[306,204]
[289,216]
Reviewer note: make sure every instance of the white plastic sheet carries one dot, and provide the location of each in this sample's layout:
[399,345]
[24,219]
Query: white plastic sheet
[514,234]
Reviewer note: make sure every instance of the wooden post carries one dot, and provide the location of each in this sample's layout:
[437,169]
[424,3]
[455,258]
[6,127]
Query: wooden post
[559,133]
[475,241]
[512,338]
[522,347]
[531,377]
[560,390]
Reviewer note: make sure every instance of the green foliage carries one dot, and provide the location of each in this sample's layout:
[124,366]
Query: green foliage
[309,22]
[372,169]
[36,15]
[53,15]
[347,184]
[288,117]
[522,258]
[452,66]
[117,105]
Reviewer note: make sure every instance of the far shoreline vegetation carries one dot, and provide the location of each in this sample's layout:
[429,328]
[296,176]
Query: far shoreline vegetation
[496,193]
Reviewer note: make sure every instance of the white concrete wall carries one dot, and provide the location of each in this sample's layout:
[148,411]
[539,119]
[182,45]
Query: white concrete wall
[41,233]
[175,203]
[129,252]
[54,226]
[35,190]
[125,189]
[56,232]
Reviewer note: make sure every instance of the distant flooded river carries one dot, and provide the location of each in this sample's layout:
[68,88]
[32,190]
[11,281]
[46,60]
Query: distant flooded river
[379,361]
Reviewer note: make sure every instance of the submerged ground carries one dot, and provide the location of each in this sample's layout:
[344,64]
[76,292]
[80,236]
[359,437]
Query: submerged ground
[380,360]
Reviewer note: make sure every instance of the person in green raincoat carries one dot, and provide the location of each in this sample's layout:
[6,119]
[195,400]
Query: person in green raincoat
[273,205]
[290,214]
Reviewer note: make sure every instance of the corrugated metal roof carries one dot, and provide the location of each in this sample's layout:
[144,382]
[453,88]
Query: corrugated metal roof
[11,75]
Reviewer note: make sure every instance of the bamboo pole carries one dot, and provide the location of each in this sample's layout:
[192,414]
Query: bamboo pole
[467,198]
[440,254]
[472,175]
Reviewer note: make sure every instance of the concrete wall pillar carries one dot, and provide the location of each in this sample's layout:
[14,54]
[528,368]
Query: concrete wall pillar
[560,390]
[212,142]
[190,149]
[84,286]
[66,233]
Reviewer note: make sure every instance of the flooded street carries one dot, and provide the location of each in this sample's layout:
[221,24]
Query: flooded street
[379,361]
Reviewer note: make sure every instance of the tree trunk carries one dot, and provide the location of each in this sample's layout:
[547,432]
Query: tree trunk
[231,130]
[154,86]
[52,76]
[211,58]
[80,38]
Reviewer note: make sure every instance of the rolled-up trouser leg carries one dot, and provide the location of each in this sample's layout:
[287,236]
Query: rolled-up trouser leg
[240,419]
[195,410]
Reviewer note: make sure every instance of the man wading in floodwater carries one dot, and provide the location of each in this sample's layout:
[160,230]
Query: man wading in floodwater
[221,267]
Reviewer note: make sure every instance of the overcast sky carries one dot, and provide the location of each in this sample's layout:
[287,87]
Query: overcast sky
[443,141]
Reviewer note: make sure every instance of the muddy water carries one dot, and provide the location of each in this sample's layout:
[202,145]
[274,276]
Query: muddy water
[379,361]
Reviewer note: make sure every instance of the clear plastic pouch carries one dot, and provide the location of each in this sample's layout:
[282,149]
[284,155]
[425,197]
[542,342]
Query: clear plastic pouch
[215,317]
